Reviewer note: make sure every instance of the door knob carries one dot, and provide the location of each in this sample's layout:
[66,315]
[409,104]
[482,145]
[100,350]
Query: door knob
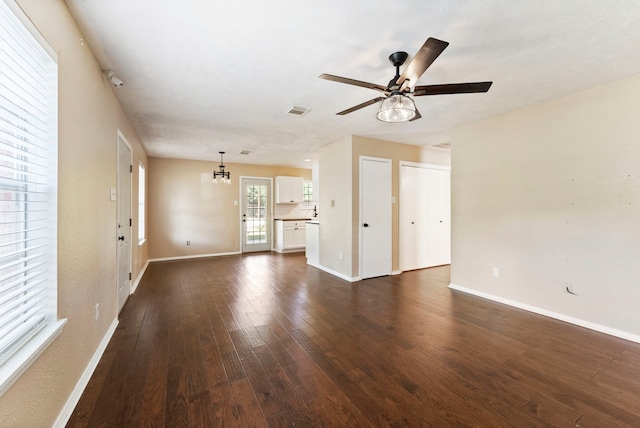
[366,225]
[121,238]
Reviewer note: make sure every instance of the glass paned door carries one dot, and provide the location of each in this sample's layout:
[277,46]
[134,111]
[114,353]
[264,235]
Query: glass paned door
[256,215]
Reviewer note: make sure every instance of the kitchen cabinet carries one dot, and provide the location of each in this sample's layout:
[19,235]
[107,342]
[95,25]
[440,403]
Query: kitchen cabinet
[289,190]
[290,235]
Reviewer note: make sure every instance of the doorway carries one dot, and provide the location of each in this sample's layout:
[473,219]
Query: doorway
[425,215]
[255,211]
[124,221]
[375,217]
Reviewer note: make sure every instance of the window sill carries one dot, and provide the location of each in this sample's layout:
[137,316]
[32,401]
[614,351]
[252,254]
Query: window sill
[21,360]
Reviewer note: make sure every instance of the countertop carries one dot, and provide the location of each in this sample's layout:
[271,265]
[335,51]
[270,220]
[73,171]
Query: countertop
[292,218]
[313,221]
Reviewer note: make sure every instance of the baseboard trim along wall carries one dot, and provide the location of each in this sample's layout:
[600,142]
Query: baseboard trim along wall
[73,399]
[571,320]
[197,256]
[135,284]
[335,273]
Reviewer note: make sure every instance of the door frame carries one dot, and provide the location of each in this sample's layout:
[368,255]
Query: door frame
[402,227]
[269,208]
[128,230]
[388,202]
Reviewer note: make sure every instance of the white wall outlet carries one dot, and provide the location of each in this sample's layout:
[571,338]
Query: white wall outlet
[340,255]
[496,272]
[97,311]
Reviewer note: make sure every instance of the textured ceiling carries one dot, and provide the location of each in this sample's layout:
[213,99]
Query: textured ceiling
[204,76]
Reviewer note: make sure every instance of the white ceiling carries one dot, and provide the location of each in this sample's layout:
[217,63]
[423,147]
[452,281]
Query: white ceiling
[204,76]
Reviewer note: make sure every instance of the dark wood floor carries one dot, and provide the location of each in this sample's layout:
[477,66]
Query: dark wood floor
[265,340]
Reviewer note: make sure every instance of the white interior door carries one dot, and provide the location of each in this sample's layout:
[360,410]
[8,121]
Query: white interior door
[413,221]
[124,221]
[438,212]
[255,214]
[375,217]
[425,214]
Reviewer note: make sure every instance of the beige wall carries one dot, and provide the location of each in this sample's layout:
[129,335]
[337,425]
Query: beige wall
[89,116]
[336,225]
[184,205]
[339,180]
[550,195]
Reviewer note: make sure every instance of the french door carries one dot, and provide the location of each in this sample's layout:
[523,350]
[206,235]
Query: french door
[256,214]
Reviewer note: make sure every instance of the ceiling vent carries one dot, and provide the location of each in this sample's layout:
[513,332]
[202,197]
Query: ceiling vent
[297,110]
[244,152]
[444,146]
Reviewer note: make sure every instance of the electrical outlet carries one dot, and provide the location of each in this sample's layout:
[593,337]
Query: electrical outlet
[340,255]
[188,242]
[97,311]
[496,272]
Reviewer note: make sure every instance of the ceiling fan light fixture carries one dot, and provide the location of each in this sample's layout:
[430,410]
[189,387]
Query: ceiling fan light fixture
[396,108]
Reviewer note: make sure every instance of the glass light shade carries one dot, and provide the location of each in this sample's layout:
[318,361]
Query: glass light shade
[396,108]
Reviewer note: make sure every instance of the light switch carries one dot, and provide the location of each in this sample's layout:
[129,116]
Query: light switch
[113,194]
[235,203]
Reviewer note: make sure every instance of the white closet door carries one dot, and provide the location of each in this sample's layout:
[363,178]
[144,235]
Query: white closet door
[425,216]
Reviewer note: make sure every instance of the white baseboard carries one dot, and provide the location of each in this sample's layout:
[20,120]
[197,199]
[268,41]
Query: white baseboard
[571,320]
[198,256]
[73,399]
[135,284]
[335,273]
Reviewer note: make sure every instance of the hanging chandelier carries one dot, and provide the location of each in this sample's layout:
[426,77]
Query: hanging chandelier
[225,175]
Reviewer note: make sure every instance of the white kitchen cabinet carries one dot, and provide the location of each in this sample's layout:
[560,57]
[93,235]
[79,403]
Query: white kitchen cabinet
[290,235]
[289,190]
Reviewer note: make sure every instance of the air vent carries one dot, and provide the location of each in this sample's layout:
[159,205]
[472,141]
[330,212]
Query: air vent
[244,152]
[444,146]
[297,110]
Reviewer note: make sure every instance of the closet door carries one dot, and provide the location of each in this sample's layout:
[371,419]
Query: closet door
[425,216]
[413,220]
[438,217]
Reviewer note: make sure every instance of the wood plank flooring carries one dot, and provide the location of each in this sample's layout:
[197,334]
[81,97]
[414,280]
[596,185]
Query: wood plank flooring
[264,340]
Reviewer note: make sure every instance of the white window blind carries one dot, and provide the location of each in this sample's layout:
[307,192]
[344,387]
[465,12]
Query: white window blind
[141,203]
[28,182]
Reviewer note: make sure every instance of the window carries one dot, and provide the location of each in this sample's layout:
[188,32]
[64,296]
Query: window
[141,204]
[28,194]
[307,192]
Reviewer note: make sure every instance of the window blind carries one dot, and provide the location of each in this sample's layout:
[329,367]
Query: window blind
[28,136]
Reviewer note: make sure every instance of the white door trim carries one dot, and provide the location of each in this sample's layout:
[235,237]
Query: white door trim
[400,202]
[269,207]
[127,228]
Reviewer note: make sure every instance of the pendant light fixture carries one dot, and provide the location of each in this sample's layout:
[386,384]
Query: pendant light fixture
[396,108]
[226,175]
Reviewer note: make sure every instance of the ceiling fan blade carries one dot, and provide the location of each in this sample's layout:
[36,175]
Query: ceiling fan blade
[428,53]
[352,82]
[416,117]
[452,88]
[359,106]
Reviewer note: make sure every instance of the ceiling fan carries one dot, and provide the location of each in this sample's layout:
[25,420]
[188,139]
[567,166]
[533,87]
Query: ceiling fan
[396,105]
